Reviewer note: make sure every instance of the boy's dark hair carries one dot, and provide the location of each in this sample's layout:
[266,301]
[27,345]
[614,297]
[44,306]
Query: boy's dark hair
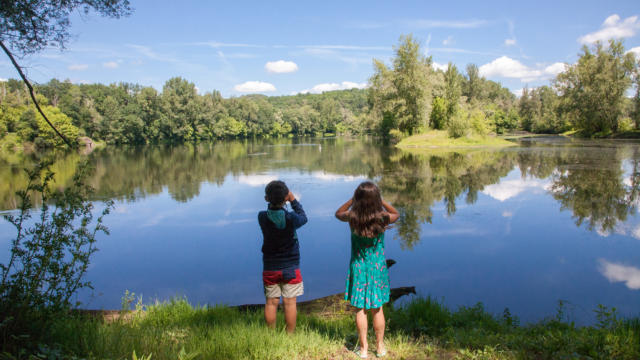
[276,191]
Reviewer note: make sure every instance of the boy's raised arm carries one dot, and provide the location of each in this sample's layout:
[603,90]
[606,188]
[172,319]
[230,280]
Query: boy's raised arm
[298,215]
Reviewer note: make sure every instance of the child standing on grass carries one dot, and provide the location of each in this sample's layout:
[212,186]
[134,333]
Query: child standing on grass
[281,253]
[367,285]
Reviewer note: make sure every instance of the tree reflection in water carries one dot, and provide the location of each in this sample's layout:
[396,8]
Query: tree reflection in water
[598,182]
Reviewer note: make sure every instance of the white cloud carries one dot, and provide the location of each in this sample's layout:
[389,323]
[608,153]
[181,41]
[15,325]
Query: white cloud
[615,272]
[110,65]
[78,67]
[438,66]
[511,188]
[510,42]
[636,51]
[448,41]
[254,87]
[256,180]
[3,80]
[281,66]
[505,66]
[345,85]
[555,68]
[613,28]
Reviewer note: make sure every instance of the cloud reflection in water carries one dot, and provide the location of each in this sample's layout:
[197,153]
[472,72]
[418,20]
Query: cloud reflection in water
[615,272]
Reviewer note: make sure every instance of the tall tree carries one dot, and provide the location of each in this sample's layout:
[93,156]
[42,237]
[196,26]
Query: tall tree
[452,91]
[411,80]
[592,91]
[472,87]
[401,96]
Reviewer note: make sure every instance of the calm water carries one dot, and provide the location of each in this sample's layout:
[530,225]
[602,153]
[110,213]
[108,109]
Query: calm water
[521,228]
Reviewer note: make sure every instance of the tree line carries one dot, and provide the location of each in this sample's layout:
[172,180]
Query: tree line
[406,97]
[133,114]
[590,96]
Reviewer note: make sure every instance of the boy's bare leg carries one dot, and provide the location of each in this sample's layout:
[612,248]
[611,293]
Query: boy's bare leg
[270,309]
[290,313]
[378,326]
[361,324]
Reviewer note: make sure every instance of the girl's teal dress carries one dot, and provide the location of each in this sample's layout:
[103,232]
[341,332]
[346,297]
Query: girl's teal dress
[367,285]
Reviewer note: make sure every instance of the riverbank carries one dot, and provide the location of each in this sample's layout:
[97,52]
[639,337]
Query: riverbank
[441,139]
[422,329]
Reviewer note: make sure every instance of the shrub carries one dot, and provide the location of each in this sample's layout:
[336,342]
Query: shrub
[49,256]
[459,125]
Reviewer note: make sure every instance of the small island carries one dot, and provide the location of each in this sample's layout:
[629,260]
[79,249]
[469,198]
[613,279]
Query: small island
[439,139]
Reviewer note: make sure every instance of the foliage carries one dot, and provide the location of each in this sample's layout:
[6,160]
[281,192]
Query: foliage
[452,92]
[592,91]
[49,255]
[438,117]
[131,114]
[402,95]
[459,124]
[30,26]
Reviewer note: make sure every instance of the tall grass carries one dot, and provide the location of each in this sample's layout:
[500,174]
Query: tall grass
[422,329]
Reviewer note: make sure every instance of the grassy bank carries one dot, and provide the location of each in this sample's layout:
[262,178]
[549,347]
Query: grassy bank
[440,138]
[423,329]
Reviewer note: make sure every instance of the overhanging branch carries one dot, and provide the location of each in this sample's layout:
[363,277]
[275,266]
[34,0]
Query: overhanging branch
[33,97]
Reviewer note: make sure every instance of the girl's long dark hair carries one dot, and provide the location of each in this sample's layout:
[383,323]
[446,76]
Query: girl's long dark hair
[367,217]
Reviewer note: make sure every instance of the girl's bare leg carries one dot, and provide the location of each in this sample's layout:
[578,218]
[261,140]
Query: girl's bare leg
[361,324]
[378,326]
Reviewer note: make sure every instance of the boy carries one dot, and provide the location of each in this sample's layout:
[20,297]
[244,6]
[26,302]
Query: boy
[281,253]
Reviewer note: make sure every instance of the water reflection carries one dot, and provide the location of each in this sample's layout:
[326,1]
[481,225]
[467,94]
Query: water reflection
[590,181]
[616,272]
[497,226]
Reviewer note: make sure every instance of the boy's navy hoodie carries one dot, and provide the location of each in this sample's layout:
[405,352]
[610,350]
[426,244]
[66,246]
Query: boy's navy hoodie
[280,250]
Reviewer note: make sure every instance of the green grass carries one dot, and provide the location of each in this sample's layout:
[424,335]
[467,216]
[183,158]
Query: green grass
[440,139]
[423,329]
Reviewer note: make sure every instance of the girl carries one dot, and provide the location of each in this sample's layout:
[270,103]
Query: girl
[367,285]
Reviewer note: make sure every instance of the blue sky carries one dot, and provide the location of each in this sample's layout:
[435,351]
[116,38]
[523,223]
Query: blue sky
[286,47]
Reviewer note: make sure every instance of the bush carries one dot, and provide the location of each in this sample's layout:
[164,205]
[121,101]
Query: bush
[48,259]
[479,123]
[459,125]
[395,136]
[626,124]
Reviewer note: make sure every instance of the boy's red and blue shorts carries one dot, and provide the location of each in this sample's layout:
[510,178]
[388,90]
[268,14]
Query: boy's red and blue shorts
[275,284]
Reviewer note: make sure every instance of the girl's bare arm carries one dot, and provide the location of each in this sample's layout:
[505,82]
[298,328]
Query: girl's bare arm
[343,211]
[393,213]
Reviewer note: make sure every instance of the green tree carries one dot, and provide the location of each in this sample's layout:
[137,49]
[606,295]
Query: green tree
[527,109]
[411,80]
[179,103]
[382,97]
[438,116]
[452,91]
[472,87]
[592,91]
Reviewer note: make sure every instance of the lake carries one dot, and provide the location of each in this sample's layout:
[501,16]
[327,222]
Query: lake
[524,227]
